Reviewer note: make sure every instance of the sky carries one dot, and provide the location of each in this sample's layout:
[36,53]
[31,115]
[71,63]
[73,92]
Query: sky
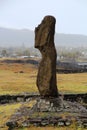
[71,15]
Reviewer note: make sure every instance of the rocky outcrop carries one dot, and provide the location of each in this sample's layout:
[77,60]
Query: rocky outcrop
[44,41]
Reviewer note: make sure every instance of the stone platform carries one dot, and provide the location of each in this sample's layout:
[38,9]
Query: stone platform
[49,111]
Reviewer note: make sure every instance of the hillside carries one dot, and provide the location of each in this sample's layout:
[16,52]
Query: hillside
[15,37]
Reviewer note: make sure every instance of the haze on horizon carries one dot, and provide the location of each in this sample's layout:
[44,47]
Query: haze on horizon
[71,15]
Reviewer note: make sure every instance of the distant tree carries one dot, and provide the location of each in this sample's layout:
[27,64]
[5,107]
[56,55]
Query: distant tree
[4,53]
[71,55]
[26,52]
[21,52]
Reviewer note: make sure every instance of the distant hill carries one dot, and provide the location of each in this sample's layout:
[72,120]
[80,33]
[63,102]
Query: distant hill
[15,37]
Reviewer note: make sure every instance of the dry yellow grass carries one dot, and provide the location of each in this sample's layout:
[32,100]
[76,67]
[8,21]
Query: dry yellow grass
[13,82]
[72,83]
[5,112]
[72,127]
[45,128]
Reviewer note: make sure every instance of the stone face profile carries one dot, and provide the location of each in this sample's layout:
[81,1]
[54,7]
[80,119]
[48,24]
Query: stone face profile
[44,41]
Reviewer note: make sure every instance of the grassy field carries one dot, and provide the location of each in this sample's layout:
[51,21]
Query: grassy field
[73,127]
[12,81]
[5,113]
[72,83]
[20,78]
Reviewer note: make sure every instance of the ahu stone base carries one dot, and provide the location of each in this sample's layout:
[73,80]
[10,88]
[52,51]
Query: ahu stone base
[49,112]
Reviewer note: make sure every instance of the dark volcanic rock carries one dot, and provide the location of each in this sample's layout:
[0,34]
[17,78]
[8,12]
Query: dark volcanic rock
[44,41]
[46,112]
[12,125]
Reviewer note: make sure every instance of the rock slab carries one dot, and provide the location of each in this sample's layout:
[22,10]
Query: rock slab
[44,41]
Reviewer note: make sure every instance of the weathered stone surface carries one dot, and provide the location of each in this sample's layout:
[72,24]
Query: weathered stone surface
[12,125]
[44,41]
[46,112]
[49,105]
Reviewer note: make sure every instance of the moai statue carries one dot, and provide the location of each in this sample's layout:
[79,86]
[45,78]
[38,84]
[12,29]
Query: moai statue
[44,41]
